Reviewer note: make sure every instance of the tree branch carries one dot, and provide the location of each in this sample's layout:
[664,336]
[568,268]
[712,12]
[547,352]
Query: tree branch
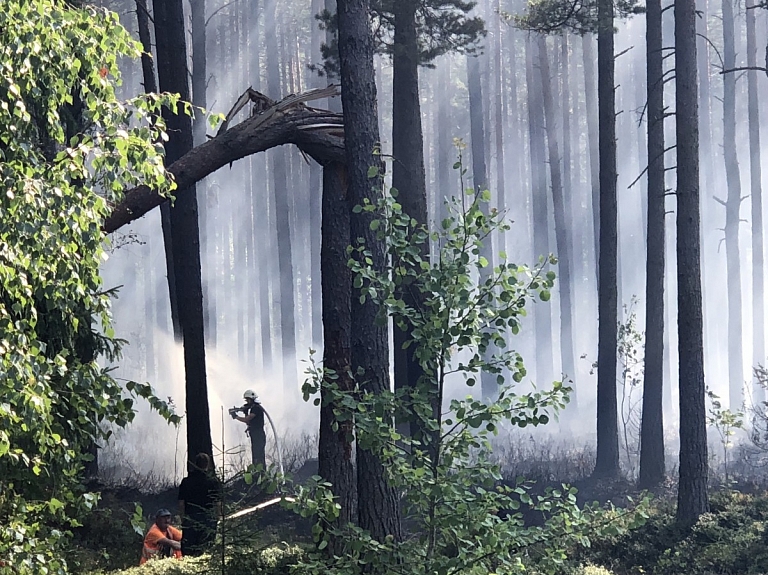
[318,133]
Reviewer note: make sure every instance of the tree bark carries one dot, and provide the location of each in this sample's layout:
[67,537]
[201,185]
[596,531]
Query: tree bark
[732,211]
[170,34]
[652,424]
[692,488]
[378,507]
[150,87]
[408,174]
[607,464]
[335,447]
[562,232]
[542,313]
[756,194]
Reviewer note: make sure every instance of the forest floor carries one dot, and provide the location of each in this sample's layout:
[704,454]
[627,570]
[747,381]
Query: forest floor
[731,539]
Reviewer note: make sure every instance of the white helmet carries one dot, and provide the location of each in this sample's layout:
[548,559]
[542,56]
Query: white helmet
[250,394]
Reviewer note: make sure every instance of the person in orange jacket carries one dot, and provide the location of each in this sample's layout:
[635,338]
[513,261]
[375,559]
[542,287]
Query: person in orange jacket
[162,540]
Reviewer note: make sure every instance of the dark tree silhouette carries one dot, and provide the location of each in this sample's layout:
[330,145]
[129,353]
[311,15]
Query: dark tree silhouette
[607,463]
[378,508]
[692,498]
[652,424]
[170,36]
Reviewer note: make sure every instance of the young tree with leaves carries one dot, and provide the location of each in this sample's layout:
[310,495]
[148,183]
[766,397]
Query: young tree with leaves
[69,148]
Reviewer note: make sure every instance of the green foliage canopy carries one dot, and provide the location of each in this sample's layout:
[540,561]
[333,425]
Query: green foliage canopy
[68,148]
[443,26]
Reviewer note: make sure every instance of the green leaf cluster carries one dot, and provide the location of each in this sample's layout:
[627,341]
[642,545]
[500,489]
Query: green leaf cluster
[68,148]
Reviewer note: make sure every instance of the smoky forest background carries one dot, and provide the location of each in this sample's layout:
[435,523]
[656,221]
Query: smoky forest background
[495,270]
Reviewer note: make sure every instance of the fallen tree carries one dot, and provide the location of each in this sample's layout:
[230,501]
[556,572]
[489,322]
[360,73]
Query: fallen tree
[317,133]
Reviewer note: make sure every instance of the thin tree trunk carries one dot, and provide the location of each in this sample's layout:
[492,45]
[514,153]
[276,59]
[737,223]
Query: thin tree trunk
[408,174]
[562,232]
[607,463]
[498,76]
[652,424]
[490,388]
[315,201]
[732,210]
[542,313]
[282,212]
[590,96]
[170,34]
[378,507]
[756,193]
[150,86]
[692,488]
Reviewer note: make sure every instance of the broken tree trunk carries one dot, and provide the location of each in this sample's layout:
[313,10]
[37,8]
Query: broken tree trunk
[318,133]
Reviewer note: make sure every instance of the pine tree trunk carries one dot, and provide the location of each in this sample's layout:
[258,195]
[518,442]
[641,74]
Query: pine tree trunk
[756,194]
[591,99]
[607,464]
[542,313]
[562,232]
[490,388]
[170,34]
[282,211]
[150,86]
[732,211]
[378,506]
[335,448]
[498,123]
[315,201]
[652,424]
[408,174]
[444,147]
[692,488]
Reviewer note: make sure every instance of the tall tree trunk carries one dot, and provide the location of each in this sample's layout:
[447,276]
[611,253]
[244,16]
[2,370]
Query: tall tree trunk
[150,86]
[607,463]
[149,311]
[282,211]
[591,99]
[652,424]
[408,175]
[498,105]
[335,448]
[562,232]
[315,201]
[378,506]
[732,210]
[542,313]
[170,34]
[444,146]
[756,193]
[490,388]
[692,488]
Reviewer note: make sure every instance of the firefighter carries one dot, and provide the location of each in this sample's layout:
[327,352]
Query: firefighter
[253,417]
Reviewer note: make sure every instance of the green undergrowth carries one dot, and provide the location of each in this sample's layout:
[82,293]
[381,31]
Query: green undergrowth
[277,559]
[730,539]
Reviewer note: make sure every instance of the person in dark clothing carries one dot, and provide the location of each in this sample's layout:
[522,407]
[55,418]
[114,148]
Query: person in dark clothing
[199,506]
[254,419]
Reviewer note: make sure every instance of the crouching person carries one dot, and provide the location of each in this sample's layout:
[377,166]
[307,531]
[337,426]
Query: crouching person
[162,540]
